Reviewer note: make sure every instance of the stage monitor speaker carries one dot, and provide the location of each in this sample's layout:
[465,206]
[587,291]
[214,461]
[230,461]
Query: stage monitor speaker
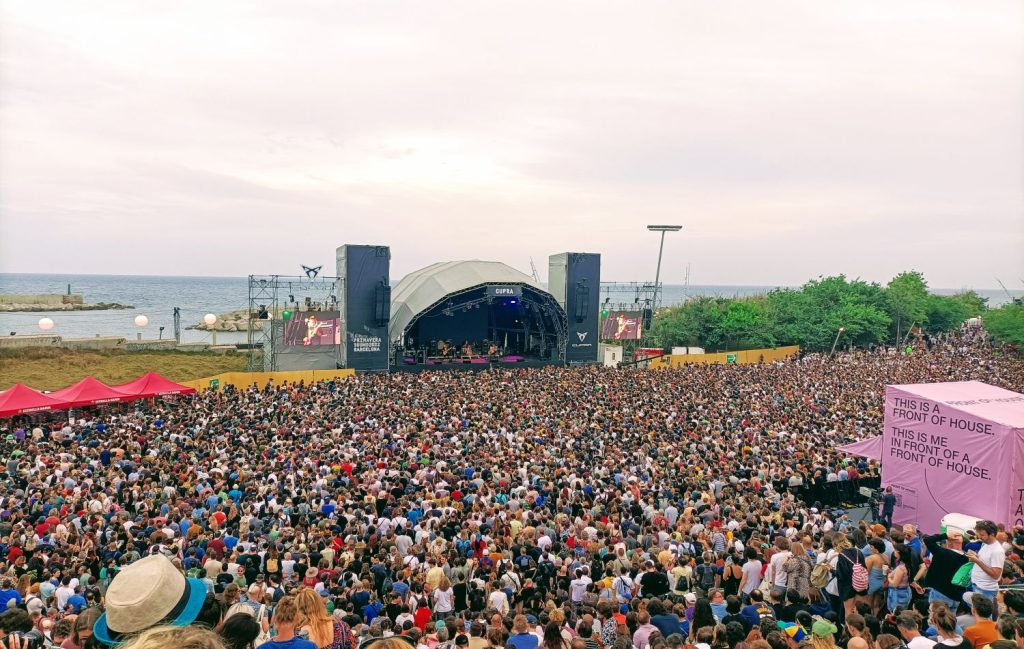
[574,279]
[364,299]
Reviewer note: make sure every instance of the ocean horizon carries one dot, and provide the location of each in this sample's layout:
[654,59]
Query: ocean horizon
[155,296]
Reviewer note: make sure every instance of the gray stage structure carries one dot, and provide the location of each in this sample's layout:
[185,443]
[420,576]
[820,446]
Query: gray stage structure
[277,342]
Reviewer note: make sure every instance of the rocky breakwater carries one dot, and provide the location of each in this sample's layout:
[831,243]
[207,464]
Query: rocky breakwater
[10,303]
[233,321]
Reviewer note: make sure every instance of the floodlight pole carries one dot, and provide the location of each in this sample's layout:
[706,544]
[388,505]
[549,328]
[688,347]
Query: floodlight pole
[661,248]
[836,341]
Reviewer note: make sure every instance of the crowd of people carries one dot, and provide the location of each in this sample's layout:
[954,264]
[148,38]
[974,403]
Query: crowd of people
[563,508]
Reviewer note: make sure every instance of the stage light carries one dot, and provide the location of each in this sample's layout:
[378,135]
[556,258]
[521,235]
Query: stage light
[286,315]
[511,301]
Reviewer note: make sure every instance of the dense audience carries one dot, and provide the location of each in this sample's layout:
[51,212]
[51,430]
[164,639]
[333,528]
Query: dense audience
[555,508]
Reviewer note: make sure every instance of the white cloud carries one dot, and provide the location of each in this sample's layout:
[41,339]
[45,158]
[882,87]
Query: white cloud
[790,138]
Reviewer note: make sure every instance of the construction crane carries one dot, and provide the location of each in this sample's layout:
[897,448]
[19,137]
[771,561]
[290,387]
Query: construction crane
[533,269]
[1009,295]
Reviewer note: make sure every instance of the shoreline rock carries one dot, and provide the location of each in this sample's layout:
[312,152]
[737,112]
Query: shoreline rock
[227,322]
[39,308]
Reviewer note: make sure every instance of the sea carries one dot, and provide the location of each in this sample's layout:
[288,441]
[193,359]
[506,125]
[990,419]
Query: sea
[156,296]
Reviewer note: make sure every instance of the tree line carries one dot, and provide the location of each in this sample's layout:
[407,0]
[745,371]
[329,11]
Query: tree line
[811,315]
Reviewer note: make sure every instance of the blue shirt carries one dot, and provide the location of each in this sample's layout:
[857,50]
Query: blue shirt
[6,596]
[77,602]
[294,643]
[523,641]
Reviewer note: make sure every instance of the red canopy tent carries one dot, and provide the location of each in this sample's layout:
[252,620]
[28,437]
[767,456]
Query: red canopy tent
[20,399]
[152,384]
[89,392]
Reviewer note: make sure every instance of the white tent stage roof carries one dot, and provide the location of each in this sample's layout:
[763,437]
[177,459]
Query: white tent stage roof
[422,289]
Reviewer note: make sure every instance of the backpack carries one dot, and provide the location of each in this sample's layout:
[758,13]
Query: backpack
[343,638]
[477,600]
[707,576]
[683,584]
[272,564]
[859,578]
[821,575]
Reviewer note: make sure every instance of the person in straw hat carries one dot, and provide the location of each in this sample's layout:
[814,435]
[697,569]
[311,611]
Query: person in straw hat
[145,594]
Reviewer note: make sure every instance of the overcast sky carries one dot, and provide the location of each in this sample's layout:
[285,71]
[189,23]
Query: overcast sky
[790,139]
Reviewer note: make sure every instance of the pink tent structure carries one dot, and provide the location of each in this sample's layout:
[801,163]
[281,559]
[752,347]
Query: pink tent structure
[954,447]
[870,448]
[89,392]
[20,400]
[151,385]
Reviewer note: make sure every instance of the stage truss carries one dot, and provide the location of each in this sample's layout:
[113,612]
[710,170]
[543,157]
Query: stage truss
[615,297]
[269,296]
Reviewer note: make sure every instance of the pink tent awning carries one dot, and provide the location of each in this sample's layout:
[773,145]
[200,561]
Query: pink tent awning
[870,448]
[89,392]
[20,400]
[152,384]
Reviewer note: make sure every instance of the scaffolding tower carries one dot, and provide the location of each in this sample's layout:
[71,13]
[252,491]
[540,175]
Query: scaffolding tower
[270,296]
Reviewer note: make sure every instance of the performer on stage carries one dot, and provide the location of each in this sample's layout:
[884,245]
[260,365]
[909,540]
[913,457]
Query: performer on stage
[312,329]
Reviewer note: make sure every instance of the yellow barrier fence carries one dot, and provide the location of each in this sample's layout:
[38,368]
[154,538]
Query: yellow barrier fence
[245,379]
[746,357]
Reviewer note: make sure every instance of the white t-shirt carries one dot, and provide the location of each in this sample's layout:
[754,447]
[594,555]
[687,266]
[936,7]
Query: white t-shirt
[920,642]
[779,575]
[752,569]
[578,588]
[444,600]
[498,601]
[992,555]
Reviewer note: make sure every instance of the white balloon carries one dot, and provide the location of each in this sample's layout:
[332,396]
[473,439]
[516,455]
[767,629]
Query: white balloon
[209,318]
[45,324]
[141,321]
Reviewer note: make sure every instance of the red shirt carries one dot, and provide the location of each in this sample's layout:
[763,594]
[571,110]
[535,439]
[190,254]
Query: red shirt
[421,618]
[216,548]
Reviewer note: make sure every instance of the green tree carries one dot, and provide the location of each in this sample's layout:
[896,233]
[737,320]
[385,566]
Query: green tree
[907,297]
[744,324]
[976,305]
[811,316]
[696,322]
[946,313]
[1006,324]
[862,323]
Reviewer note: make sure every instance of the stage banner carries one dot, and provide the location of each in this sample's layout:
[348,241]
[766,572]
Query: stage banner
[622,325]
[1015,494]
[496,291]
[574,279]
[364,297]
[940,459]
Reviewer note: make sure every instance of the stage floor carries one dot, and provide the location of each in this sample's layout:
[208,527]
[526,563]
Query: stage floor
[474,366]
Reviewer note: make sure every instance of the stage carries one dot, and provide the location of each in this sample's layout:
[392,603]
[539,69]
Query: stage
[458,365]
